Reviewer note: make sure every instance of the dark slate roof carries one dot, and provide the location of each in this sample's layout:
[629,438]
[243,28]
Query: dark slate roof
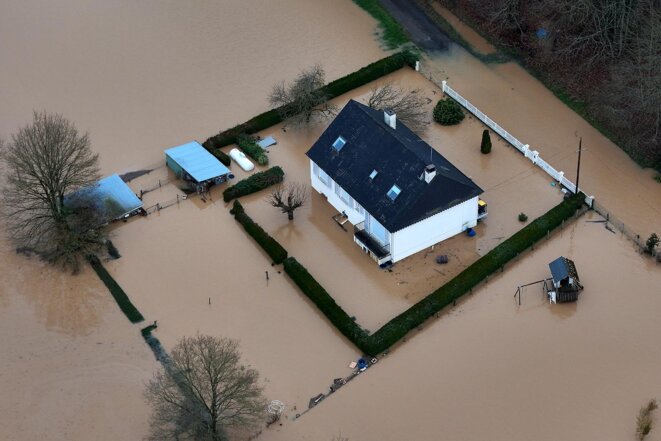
[561,268]
[399,156]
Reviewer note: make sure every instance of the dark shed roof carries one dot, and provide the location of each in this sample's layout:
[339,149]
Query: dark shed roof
[561,268]
[399,157]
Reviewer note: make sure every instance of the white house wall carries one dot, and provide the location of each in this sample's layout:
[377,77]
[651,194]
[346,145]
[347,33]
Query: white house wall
[433,230]
[354,215]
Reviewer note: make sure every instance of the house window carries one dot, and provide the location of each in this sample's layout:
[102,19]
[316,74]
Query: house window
[373,174]
[359,208]
[394,192]
[339,143]
[323,177]
[343,195]
[315,169]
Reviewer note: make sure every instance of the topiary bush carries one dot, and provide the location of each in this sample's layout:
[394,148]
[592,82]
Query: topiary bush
[447,112]
[249,146]
[254,183]
[268,243]
[485,146]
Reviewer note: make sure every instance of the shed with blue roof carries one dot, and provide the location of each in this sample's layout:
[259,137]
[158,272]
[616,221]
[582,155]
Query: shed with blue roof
[111,198]
[194,164]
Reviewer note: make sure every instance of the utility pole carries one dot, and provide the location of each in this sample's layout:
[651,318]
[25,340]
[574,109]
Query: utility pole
[578,168]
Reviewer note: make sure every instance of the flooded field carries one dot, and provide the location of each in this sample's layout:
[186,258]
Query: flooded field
[489,369]
[145,76]
[71,363]
[512,185]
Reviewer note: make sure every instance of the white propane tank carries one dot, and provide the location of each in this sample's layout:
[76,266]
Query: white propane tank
[240,158]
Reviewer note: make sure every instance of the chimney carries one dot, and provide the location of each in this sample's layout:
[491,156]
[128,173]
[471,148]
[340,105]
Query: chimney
[390,118]
[430,172]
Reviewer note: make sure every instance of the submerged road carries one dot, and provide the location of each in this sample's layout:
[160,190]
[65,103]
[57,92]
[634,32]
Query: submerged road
[420,28]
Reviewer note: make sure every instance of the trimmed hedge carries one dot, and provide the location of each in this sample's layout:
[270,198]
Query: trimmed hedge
[250,148]
[398,327]
[117,292]
[222,157]
[333,89]
[254,183]
[320,297]
[268,243]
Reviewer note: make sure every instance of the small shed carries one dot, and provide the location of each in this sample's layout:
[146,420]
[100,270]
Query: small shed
[194,164]
[111,197]
[566,282]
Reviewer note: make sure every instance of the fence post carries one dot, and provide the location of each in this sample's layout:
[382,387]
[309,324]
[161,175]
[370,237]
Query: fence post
[443,84]
[417,66]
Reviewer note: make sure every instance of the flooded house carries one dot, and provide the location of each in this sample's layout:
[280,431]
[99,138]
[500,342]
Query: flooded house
[110,197]
[566,283]
[400,194]
[194,164]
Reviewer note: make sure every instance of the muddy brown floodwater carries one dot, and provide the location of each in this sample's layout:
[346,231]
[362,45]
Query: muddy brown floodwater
[145,76]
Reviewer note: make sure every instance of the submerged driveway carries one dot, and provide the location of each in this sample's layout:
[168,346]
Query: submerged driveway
[420,28]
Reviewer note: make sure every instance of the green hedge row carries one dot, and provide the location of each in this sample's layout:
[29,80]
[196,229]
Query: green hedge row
[268,243]
[221,156]
[250,148]
[334,89]
[117,292]
[254,183]
[416,315]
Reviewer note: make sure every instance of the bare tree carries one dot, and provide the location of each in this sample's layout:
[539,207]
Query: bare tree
[203,391]
[303,99]
[409,105]
[288,197]
[44,162]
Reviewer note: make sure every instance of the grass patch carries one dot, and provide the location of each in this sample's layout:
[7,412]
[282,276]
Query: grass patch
[333,89]
[249,146]
[254,183]
[117,292]
[264,239]
[391,32]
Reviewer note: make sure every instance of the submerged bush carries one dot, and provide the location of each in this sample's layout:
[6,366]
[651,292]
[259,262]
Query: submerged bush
[254,183]
[447,112]
[651,243]
[249,146]
[523,217]
[485,146]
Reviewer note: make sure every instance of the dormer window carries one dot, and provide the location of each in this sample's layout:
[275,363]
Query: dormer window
[373,174]
[339,143]
[394,192]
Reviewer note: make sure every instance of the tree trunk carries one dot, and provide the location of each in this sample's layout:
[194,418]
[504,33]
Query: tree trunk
[290,215]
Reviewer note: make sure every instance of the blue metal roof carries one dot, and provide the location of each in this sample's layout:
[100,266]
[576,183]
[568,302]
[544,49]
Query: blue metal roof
[111,196]
[197,161]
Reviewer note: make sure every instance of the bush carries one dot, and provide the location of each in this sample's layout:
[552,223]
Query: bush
[249,146]
[272,247]
[447,112]
[117,292]
[333,89]
[326,304]
[651,243]
[222,157]
[485,147]
[254,183]
[523,217]
[112,250]
[146,331]
[657,178]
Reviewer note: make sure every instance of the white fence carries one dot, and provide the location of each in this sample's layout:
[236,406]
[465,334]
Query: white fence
[533,155]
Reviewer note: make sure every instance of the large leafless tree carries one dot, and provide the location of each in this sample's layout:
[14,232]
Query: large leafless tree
[42,163]
[410,106]
[289,197]
[303,99]
[204,390]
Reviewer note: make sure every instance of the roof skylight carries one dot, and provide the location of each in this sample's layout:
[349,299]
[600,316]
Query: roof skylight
[394,192]
[339,143]
[373,174]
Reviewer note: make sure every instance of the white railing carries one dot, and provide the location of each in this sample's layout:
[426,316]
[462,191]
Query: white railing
[533,155]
